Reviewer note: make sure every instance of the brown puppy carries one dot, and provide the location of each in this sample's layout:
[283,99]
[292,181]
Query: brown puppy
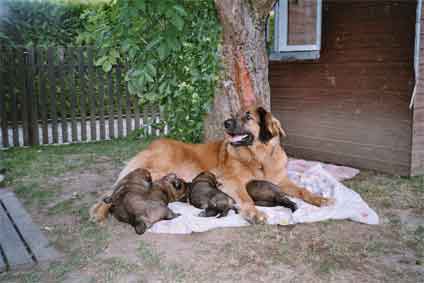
[204,194]
[265,193]
[141,203]
[250,151]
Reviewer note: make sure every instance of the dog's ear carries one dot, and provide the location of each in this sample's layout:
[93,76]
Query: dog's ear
[269,126]
[276,128]
[265,133]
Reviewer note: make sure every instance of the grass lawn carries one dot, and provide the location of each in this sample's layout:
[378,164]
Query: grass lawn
[57,184]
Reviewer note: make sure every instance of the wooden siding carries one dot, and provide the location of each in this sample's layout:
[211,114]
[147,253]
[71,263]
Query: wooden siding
[351,106]
[417,155]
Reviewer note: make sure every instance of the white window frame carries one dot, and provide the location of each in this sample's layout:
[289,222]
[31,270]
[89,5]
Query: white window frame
[281,48]
[417,51]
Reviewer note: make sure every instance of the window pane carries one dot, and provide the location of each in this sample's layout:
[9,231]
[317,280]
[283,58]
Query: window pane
[302,22]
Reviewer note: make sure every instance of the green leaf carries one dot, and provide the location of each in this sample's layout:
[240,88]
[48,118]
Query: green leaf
[153,43]
[148,77]
[140,4]
[151,69]
[162,51]
[180,10]
[178,22]
[100,61]
[107,66]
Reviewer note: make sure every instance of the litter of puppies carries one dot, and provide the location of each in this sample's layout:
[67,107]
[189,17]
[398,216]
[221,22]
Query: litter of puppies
[140,202]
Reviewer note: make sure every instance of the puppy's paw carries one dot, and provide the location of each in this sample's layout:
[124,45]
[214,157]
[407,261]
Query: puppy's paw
[293,207]
[140,228]
[253,216]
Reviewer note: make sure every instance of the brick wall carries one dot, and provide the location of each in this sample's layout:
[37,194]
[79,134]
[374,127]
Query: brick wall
[351,106]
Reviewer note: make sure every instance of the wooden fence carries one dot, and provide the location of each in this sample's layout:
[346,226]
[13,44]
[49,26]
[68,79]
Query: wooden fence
[57,95]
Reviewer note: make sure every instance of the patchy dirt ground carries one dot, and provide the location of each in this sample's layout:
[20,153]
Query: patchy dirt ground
[58,184]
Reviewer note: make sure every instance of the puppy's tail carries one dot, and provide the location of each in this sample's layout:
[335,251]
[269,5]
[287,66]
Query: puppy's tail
[286,202]
[100,210]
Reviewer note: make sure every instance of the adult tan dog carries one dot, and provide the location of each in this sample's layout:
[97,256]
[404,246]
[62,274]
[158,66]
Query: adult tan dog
[250,151]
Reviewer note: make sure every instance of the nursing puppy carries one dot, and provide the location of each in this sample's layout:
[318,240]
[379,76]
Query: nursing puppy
[204,194]
[265,193]
[140,202]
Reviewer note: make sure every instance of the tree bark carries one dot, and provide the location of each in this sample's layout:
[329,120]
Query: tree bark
[244,60]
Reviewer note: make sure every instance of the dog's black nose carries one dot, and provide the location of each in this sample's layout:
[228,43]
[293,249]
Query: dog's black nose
[229,124]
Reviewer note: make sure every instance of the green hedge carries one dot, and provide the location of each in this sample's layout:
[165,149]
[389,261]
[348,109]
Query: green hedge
[41,22]
[171,47]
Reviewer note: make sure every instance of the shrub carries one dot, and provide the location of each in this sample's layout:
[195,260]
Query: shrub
[171,48]
[41,23]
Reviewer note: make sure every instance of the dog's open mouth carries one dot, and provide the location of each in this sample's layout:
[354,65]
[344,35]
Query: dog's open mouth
[240,139]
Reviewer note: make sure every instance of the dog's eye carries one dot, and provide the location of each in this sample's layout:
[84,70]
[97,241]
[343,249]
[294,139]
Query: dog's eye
[248,116]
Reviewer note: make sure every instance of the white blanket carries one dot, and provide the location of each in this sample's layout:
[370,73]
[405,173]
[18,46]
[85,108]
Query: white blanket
[348,205]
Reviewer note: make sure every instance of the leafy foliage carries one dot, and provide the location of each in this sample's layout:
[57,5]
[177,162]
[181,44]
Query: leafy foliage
[171,49]
[41,23]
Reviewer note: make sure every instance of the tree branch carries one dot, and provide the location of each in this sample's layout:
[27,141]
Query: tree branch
[263,7]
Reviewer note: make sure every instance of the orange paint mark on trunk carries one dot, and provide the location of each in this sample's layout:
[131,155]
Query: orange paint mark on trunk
[243,81]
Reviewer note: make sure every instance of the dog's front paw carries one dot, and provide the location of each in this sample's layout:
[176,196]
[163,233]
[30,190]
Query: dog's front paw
[253,215]
[323,201]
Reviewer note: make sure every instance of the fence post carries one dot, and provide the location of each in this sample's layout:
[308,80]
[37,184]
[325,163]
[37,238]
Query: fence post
[26,106]
[51,54]
[3,113]
[92,94]
[82,95]
[32,100]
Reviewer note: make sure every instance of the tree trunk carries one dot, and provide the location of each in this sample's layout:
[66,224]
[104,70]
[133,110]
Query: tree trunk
[244,59]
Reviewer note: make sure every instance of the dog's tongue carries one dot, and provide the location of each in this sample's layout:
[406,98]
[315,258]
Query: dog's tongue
[238,138]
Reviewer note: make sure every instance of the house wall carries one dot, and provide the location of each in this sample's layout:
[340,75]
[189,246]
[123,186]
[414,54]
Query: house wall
[351,106]
[417,155]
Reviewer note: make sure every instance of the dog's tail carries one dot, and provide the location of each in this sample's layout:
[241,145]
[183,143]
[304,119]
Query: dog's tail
[100,210]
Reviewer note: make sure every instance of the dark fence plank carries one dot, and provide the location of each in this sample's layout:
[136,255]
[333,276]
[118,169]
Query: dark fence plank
[111,106]
[128,113]
[145,119]
[32,98]
[91,94]
[82,97]
[136,106]
[119,100]
[72,67]
[42,96]
[3,106]
[61,74]
[102,89]
[24,97]
[52,92]
[16,94]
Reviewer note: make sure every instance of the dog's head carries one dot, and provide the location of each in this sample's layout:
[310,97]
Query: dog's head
[175,187]
[252,125]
